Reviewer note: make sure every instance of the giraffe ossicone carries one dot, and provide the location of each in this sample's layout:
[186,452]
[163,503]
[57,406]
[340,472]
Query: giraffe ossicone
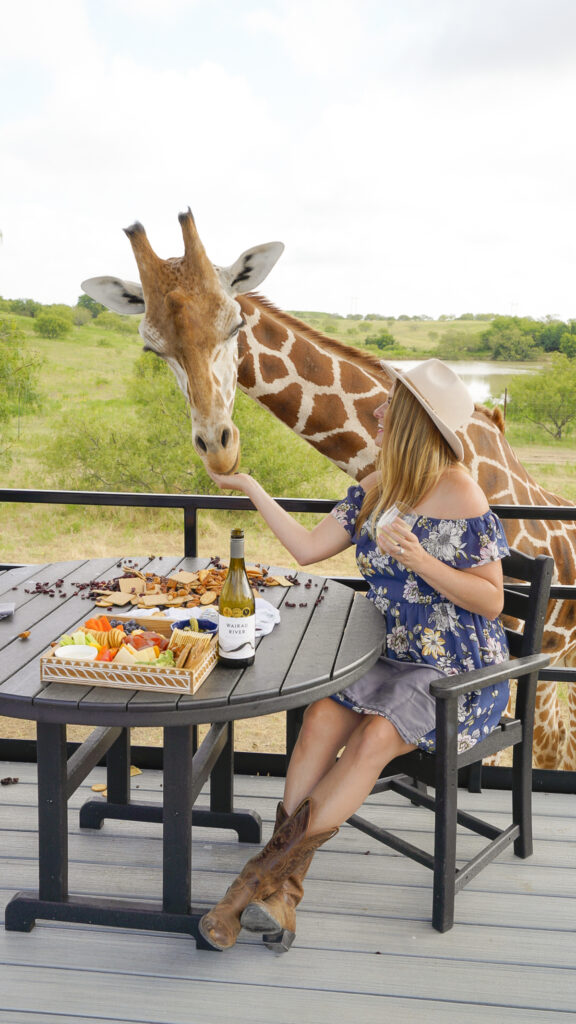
[216,333]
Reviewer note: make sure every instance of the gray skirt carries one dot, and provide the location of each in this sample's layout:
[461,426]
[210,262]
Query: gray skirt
[399,691]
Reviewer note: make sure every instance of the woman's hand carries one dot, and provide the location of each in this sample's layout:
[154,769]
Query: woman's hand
[230,481]
[327,538]
[397,539]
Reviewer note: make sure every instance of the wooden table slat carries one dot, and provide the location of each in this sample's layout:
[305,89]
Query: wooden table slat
[13,578]
[314,660]
[366,619]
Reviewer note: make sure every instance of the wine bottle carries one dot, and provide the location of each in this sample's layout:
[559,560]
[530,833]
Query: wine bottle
[236,610]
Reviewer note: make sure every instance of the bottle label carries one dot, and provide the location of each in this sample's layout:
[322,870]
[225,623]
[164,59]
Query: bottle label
[236,636]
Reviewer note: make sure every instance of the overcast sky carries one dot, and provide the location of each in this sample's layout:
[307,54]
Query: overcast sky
[415,156]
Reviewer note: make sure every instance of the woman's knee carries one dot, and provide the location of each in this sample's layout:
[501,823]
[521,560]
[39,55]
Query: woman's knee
[325,719]
[378,740]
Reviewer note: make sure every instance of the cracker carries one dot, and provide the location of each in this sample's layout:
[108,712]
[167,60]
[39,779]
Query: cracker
[188,646]
[184,577]
[132,586]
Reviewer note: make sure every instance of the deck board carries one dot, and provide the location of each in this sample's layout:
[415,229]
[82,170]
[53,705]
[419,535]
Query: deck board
[365,948]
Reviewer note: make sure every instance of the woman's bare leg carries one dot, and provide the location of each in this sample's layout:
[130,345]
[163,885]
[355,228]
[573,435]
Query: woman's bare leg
[326,728]
[342,789]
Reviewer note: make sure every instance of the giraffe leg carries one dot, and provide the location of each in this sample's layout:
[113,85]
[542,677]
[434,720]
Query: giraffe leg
[549,729]
[495,759]
[569,759]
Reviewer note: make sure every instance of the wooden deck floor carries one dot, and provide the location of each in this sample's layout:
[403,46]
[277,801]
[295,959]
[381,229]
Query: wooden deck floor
[365,950]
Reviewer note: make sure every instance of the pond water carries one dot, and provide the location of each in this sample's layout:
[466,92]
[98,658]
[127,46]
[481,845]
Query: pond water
[485,380]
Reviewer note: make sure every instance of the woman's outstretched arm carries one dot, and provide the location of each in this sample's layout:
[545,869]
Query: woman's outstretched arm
[306,546]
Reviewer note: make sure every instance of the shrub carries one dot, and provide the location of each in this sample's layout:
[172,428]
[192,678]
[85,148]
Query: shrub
[81,315]
[52,325]
[24,307]
[384,339]
[115,322]
[18,372]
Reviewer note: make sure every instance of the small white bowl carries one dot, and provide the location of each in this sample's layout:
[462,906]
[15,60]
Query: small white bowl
[76,652]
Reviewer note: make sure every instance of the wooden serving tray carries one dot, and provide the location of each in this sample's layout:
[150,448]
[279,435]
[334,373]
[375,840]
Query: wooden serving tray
[126,677]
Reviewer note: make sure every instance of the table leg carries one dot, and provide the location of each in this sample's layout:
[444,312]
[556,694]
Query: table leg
[177,831]
[22,910]
[52,811]
[247,824]
[94,812]
[214,757]
[118,769]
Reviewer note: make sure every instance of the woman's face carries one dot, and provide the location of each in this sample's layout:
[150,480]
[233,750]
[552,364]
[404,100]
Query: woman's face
[381,414]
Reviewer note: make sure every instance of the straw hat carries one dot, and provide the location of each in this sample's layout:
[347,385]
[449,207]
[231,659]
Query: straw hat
[441,393]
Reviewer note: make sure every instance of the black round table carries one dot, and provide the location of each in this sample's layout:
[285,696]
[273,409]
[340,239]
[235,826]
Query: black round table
[328,636]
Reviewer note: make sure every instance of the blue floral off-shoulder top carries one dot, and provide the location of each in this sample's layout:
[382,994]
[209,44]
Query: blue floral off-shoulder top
[422,625]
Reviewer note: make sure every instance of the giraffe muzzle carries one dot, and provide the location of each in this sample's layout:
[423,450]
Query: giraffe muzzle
[221,455]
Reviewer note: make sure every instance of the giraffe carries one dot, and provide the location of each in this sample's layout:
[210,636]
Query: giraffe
[216,333]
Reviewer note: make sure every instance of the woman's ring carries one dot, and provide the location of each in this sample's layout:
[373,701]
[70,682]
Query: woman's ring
[400,549]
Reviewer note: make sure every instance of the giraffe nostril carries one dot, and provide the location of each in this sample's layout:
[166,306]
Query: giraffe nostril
[201,444]
[225,437]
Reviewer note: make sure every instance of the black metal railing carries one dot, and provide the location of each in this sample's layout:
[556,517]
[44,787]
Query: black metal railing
[192,504]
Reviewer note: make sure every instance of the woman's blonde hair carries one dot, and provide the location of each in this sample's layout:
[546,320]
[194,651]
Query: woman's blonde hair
[413,457]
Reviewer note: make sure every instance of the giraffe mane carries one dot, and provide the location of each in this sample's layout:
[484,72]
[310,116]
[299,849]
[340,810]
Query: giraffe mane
[339,348]
[494,415]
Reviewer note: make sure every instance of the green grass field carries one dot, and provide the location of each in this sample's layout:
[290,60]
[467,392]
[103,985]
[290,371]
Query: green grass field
[86,376]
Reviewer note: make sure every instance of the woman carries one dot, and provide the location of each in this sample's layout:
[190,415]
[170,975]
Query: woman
[439,587]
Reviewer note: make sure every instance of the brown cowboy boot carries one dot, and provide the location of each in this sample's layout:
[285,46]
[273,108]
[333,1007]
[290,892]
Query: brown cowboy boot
[285,852]
[277,914]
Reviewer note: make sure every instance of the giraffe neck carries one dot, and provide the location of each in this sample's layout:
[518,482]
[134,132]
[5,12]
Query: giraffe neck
[326,392]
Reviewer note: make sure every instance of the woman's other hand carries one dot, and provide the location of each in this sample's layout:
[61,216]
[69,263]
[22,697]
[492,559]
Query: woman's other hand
[477,588]
[396,539]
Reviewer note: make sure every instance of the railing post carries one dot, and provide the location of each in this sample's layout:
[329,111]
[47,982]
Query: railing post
[190,531]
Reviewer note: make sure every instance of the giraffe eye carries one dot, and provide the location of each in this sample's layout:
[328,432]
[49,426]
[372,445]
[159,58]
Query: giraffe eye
[235,330]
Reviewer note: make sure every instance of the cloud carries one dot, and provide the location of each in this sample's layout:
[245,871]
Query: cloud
[53,35]
[154,10]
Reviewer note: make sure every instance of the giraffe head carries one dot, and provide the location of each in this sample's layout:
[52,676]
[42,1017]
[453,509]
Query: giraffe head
[191,320]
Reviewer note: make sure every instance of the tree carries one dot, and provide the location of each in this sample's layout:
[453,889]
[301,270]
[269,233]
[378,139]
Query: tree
[550,334]
[568,344]
[19,369]
[24,307]
[384,339]
[547,398]
[81,316]
[456,344]
[18,378]
[512,338]
[93,307]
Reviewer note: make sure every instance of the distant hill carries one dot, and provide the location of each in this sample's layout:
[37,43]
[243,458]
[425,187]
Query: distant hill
[413,337]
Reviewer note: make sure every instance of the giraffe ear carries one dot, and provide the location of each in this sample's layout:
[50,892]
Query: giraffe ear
[250,268]
[120,296]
